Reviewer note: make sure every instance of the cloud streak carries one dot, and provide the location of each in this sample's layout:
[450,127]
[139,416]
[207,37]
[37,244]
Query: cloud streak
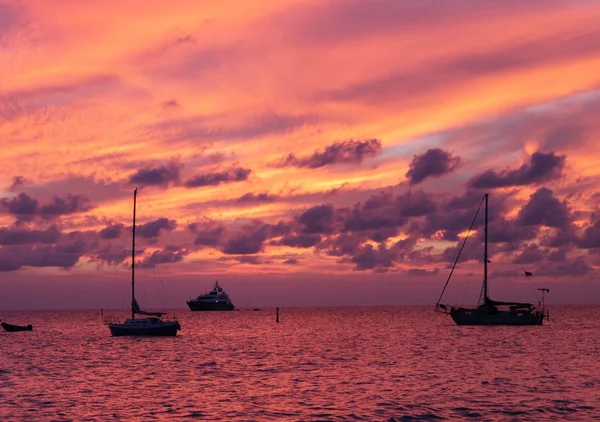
[234,174]
[541,168]
[344,152]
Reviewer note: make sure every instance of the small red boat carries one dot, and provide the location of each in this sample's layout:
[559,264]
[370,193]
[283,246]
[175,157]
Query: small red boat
[11,327]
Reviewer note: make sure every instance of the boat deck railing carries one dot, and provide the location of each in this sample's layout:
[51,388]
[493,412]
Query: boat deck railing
[113,319]
[110,319]
[443,309]
[170,317]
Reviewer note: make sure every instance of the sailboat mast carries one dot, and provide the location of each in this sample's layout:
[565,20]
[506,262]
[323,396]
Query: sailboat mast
[133,258]
[485,253]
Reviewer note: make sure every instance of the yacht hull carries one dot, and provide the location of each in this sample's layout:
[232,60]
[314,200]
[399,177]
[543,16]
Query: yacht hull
[472,317]
[163,330]
[208,306]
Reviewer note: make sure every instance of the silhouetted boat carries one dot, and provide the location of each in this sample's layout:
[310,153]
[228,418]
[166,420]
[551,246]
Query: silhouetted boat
[215,300]
[488,312]
[154,325]
[13,328]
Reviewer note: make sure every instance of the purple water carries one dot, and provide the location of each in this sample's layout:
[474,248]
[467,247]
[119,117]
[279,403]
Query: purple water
[373,364]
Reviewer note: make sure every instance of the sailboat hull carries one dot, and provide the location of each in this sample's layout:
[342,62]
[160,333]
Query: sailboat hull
[152,327]
[472,317]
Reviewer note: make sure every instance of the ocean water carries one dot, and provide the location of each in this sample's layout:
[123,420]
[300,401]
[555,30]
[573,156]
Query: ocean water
[372,364]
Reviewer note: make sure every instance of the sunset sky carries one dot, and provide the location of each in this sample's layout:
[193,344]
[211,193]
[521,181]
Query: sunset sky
[302,152]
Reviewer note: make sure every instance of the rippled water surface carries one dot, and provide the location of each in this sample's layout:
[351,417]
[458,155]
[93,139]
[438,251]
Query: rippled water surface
[374,364]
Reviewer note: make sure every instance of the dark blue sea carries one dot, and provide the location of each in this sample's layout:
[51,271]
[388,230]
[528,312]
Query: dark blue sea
[317,364]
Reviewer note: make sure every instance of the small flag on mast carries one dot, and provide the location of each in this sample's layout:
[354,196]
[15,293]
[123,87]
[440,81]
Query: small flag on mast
[528,274]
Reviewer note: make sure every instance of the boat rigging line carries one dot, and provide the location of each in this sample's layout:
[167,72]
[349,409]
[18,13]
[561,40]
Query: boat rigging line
[459,252]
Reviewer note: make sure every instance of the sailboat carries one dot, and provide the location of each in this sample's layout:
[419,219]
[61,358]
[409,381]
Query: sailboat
[153,324]
[492,312]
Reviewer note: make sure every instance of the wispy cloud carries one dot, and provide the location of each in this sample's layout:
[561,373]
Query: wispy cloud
[344,152]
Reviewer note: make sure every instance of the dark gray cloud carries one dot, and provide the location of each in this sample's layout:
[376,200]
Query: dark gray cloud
[17,182]
[422,272]
[21,205]
[468,200]
[45,248]
[416,203]
[572,267]
[70,204]
[36,256]
[153,228]
[344,152]
[344,244]
[300,240]
[558,255]
[281,228]
[544,209]
[541,168]
[501,230]
[235,174]
[249,259]
[168,255]
[530,255]
[559,237]
[369,257]
[378,213]
[257,197]
[450,224]
[318,219]
[208,233]
[99,190]
[110,254]
[22,246]
[590,237]
[25,207]
[157,176]
[382,258]
[21,236]
[345,232]
[249,240]
[112,231]
[434,162]
[383,212]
